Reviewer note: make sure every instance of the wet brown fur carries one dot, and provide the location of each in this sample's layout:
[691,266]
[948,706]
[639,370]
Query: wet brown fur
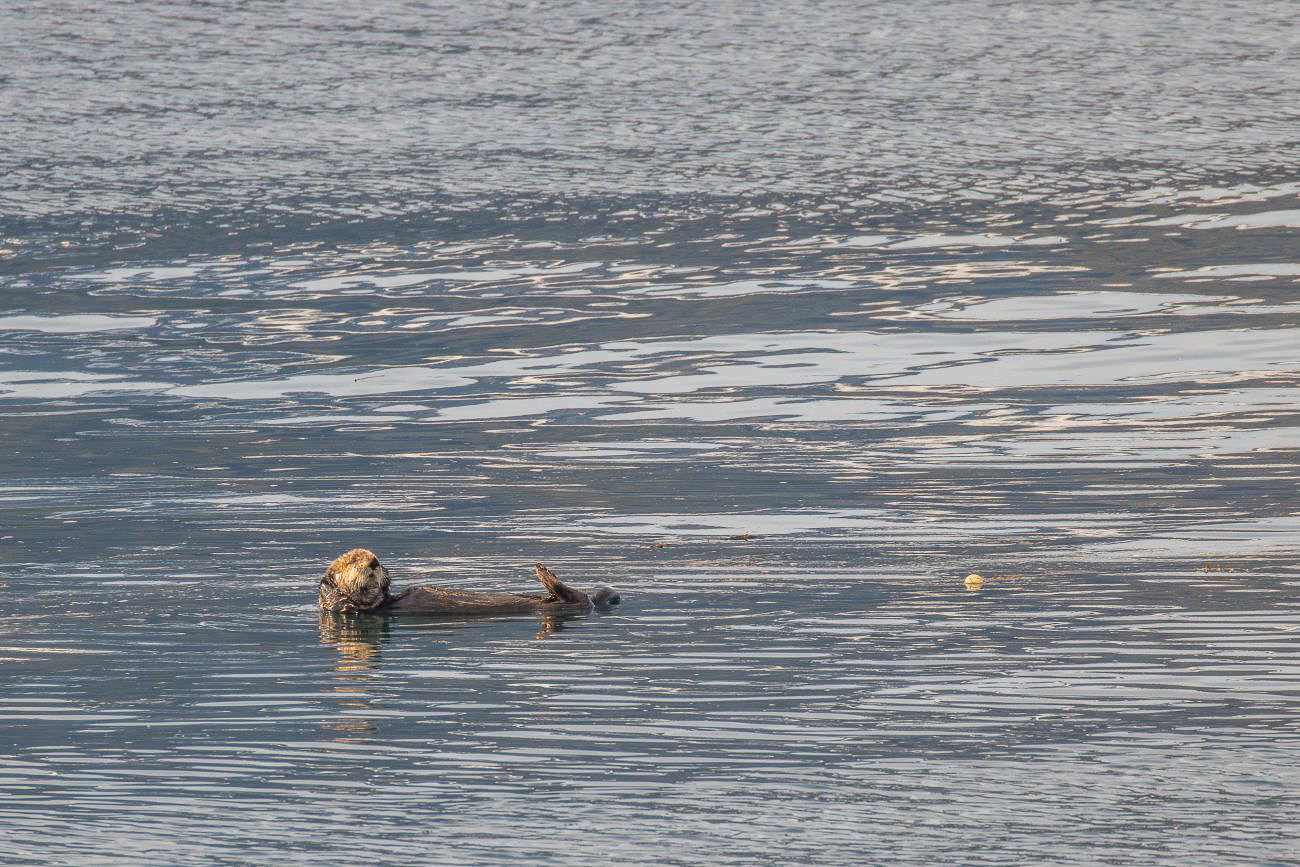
[356,583]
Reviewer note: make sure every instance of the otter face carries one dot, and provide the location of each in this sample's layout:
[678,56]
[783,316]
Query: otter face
[354,582]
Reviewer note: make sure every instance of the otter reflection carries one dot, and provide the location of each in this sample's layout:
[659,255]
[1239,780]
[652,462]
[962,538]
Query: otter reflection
[359,642]
[553,622]
[357,639]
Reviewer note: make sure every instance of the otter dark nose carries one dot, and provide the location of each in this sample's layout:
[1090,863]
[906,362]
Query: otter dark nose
[605,596]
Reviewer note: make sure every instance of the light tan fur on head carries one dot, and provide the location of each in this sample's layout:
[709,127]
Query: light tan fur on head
[358,578]
[356,571]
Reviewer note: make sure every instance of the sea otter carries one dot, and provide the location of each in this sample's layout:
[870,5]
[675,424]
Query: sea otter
[356,583]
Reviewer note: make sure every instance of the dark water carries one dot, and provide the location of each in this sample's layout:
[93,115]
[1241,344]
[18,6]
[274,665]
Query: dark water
[781,319]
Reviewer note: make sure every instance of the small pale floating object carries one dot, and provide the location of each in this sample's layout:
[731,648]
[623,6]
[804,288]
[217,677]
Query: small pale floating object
[974,581]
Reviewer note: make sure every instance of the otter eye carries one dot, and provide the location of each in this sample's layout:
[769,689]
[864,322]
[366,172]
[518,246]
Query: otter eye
[374,563]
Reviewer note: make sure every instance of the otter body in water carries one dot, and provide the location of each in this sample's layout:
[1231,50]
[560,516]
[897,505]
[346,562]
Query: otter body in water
[356,583]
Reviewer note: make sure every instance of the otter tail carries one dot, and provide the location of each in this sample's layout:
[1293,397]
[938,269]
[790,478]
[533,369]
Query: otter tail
[560,591]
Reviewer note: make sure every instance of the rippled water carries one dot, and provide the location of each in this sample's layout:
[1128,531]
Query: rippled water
[780,319]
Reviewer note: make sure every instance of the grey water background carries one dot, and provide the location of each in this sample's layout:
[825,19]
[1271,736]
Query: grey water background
[779,317]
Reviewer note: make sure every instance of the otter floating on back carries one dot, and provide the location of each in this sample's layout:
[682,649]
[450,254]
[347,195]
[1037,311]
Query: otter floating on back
[356,583]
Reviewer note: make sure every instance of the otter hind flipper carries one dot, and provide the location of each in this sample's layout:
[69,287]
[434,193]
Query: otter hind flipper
[560,591]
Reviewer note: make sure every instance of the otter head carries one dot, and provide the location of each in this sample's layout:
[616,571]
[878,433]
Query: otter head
[354,583]
[605,597]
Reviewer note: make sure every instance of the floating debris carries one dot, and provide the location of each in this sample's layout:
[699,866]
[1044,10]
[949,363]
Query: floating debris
[974,581]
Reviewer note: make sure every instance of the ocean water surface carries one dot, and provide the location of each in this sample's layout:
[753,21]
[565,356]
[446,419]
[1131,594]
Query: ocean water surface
[781,319]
